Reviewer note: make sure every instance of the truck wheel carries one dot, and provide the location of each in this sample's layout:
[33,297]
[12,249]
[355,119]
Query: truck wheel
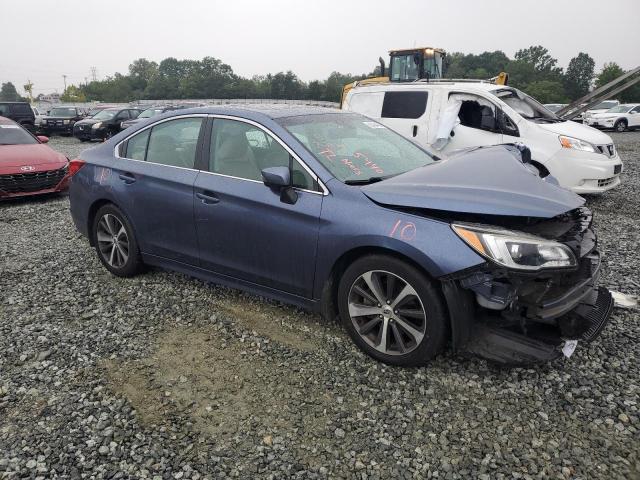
[392,311]
[620,126]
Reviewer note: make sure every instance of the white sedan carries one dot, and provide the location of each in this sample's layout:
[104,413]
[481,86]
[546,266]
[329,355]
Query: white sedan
[620,118]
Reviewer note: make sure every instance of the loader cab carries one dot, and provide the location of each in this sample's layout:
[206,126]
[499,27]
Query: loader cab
[416,64]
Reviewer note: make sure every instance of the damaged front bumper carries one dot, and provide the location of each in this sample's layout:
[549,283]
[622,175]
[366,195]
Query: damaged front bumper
[521,318]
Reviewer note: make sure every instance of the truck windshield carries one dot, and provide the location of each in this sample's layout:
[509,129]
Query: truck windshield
[404,68]
[526,106]
[63,112]
[355,149]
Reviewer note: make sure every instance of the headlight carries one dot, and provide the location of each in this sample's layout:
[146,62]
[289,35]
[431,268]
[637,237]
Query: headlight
[516,250]
[65,122]
[570,142]
[96,125]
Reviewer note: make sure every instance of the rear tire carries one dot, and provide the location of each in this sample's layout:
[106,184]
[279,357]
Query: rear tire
[115,242]
[620,126]
[392,311]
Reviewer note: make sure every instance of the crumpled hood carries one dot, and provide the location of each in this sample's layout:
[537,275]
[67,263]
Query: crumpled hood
[579,131]
[487,180]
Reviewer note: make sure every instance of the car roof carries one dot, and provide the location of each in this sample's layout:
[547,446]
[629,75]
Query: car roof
[272,111]
[479,86]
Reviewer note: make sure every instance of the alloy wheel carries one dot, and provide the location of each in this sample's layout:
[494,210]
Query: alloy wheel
[621,127]
[113,241]
[387,312]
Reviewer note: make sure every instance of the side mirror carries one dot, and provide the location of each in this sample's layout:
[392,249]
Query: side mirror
[279,178]
[43,139]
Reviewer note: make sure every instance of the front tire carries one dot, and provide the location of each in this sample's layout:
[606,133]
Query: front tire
[620,126]
[115,242]
[392,311]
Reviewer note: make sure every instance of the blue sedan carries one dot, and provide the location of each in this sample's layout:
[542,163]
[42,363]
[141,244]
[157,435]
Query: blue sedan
[337,213]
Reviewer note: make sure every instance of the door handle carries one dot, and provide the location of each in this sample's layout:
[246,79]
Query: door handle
[415,130]
[127,178]
[207,197]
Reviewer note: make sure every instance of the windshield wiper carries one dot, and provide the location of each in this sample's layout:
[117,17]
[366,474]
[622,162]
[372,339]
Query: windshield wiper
[545,119]
[364,181]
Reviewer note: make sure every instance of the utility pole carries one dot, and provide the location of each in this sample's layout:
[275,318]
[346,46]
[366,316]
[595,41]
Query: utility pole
[64,77]
[29,89]
[94,73]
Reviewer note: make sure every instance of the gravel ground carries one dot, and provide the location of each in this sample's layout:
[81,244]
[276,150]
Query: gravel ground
[164,376]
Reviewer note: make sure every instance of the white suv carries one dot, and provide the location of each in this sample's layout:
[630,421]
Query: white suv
[621,118]
[449,115]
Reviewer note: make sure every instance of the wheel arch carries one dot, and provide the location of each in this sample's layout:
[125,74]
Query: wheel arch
[328,299]
[91,214]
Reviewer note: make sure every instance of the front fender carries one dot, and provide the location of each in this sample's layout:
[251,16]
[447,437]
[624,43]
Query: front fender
[429,243]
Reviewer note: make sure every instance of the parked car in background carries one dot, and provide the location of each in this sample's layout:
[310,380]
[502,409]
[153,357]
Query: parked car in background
[27,165]
[61,120]
[104,124]
[149,113]
[599,108]
[450,115]
[98,108]
[620,118]
[19,112]
[335,212]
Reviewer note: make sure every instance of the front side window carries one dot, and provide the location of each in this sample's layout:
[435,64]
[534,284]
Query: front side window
[476,112]
[354,148]
[242,150]
[404,104]
[174,142]
[636,110]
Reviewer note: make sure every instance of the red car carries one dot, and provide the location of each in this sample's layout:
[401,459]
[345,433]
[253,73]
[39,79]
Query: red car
[27,166]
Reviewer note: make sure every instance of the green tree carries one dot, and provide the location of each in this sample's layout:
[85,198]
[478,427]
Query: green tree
[547,91]
[579,75]
[73,94]
[538,57]
[610,72]
[9,93]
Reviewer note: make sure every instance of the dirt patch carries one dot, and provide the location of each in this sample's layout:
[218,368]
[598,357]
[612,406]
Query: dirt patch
[224,387]
[270,321]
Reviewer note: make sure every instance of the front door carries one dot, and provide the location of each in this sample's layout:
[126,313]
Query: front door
[244,229]
[154,186]
[478,123]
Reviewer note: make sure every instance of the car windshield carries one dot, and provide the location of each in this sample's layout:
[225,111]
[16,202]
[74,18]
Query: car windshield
[525,105]
[355,149]
[105,114]
[620,109]
[94,111]
[15,135]
[62,112]
[604,106]
[150,112]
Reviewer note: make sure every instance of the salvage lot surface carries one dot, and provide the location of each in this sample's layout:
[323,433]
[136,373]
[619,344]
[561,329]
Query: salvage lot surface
[166,376]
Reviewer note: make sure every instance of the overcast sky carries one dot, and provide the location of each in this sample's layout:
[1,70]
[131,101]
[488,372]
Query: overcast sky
[43,39]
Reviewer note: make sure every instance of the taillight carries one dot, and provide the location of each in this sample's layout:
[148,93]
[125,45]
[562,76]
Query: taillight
[74,166]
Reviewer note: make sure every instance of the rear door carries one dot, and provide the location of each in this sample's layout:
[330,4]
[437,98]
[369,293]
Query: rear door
[634,117]
[244,228]
[153,183]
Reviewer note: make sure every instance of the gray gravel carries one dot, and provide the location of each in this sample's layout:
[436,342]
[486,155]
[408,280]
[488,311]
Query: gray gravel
[163,376]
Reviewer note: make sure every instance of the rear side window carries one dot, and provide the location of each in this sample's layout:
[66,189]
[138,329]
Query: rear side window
[404,104]
[137,146]
[22,109]
[174,142]
[4,109]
